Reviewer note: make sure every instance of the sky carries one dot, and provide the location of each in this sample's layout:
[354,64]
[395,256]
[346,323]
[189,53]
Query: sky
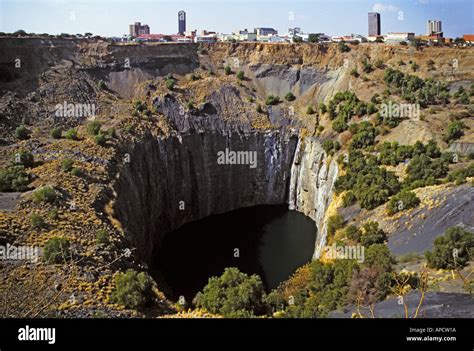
[333,17]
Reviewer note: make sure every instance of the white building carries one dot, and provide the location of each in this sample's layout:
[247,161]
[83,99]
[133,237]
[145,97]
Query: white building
[399,36]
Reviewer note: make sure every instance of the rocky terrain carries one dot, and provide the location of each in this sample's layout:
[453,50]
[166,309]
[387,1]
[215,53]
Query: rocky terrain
[165,111]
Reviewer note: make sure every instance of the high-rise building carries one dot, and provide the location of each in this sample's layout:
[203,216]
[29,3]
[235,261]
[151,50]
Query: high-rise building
[374,23]
[181,22]
[137,29]
[433,27]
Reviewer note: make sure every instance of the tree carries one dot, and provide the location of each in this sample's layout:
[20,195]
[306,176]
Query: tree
[132,289]
[297,39]
[240,75]
[313,38]
[379,255]
[452,250]
[233,294]
[402,201]
[454,131]
[372,234]
[348,199]
[227,70]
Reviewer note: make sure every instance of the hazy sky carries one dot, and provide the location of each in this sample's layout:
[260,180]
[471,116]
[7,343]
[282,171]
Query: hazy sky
[336,17]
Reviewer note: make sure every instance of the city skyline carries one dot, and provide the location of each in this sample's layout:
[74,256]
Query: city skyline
[112,18]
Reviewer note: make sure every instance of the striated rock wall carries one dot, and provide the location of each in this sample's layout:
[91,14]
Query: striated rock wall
[311,187]
[164,172]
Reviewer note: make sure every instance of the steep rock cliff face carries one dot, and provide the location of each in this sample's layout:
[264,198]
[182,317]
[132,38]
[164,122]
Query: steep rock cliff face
[311,187]
[166,174]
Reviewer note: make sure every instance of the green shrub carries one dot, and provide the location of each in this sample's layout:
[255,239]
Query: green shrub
[76,172]
[241,75]
[322,107]
[404,200]
[71,134]
[459,176]
[364,136]
[425,170]
[14,178]
[93,128]
[132,289]
[352,233]
[37,221]
[227,70]
[170,83]
[56,133]
[452,250]
[372,234]
[102,236]
[454,131]
[310,110]
[259,108]
[44,194]
[289,96]
[272,100]
[24,158]
[331,146]
[22,133]
[372,185]
[366,66]
[342,47]
[100,139]
[57,250]
[233,294]
[354,73]
[335,222]
[379,256]
[67,165]
[348,199]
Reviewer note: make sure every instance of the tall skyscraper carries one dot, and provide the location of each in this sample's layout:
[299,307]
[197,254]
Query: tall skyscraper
[181,22]
[433,26]
[374,23]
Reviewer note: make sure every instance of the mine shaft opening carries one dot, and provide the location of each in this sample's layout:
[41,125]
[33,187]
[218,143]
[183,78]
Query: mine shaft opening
[268,240]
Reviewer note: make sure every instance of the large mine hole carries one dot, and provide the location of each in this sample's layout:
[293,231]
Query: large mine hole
[185,214]
[270,241]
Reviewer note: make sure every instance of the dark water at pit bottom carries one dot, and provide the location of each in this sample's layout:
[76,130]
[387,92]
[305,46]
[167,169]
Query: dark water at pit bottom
[271,241]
